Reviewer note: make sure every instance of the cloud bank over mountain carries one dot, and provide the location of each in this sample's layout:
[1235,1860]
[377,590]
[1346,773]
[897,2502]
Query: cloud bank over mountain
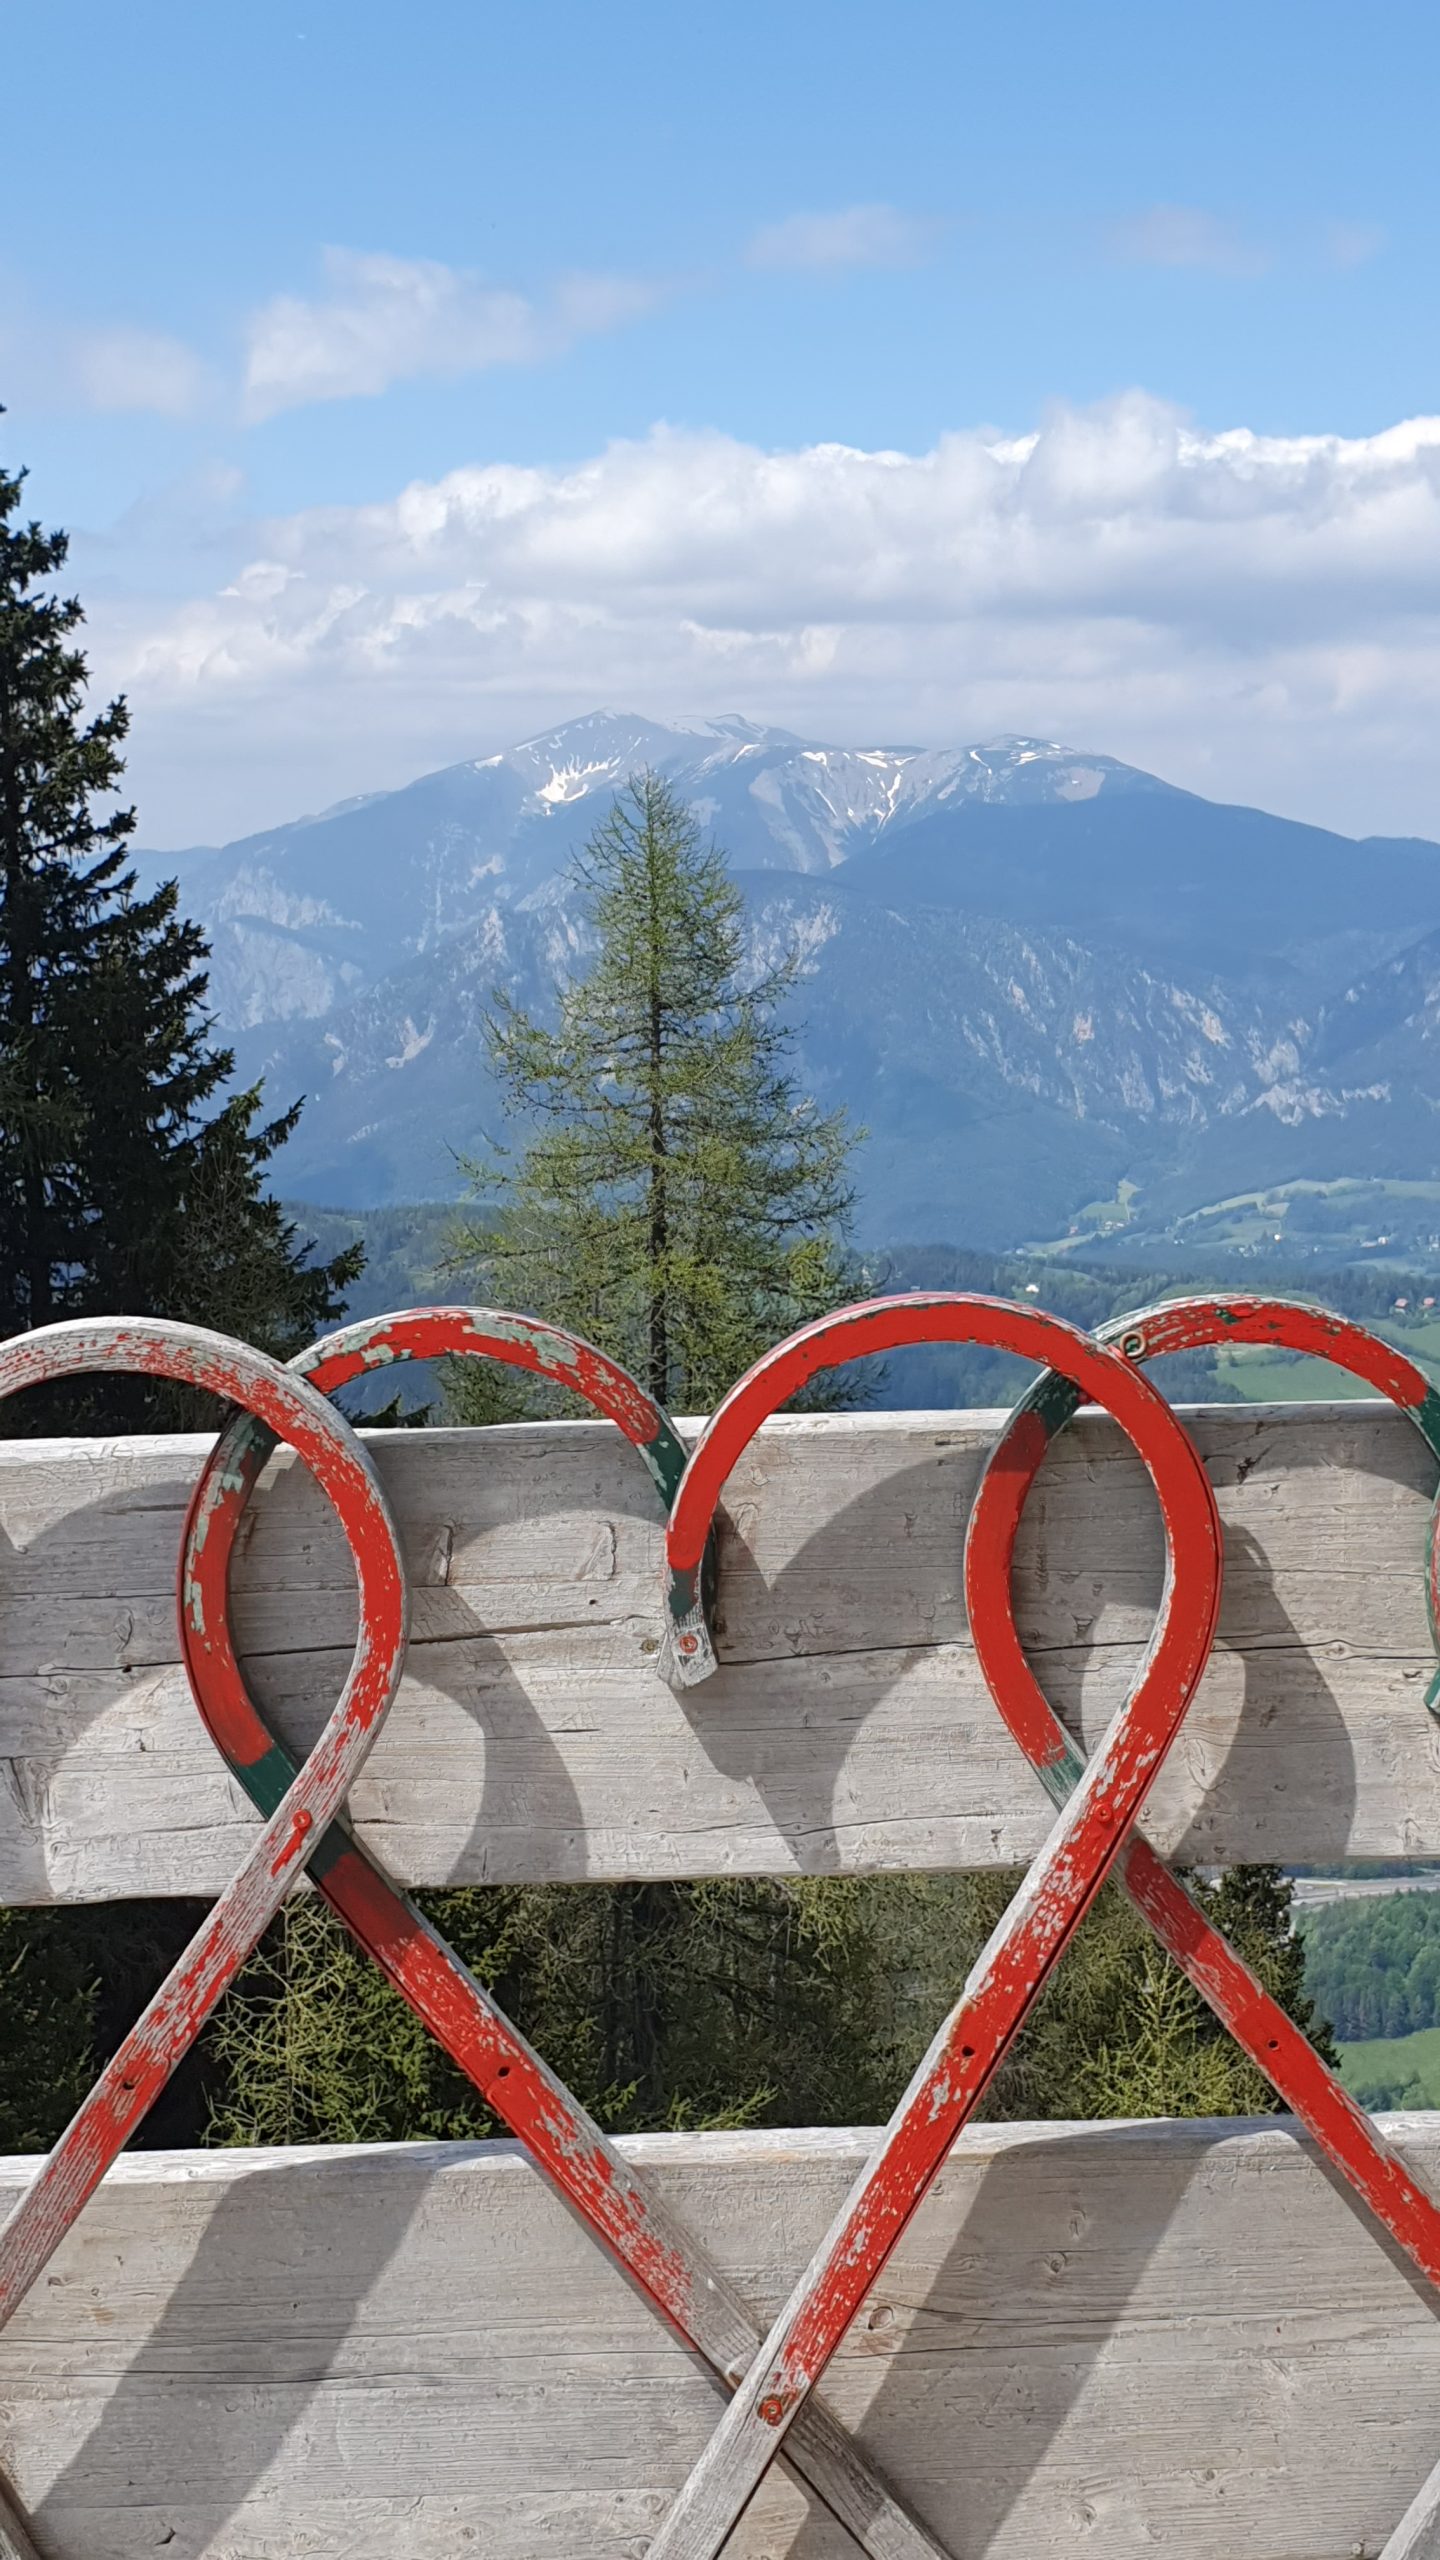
[1255,616]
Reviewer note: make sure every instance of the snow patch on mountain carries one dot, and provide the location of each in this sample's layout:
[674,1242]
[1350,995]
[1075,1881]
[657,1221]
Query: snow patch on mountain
[391,874]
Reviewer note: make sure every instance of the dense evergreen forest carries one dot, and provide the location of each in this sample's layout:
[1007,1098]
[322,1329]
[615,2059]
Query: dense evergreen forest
[1372,1966]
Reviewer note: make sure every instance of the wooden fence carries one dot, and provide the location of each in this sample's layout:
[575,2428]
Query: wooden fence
[1126,2339]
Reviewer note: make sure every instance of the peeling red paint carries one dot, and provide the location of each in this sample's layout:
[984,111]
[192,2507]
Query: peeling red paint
[1063,1879]
[1273,2042]
[304,1809]
[608,2195]
[294,1412]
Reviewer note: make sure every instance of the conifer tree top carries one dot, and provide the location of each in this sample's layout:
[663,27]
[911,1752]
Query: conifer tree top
[130,1181]
[682,1201]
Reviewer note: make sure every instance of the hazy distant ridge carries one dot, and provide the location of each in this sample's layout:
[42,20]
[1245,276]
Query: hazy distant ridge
[1031,971]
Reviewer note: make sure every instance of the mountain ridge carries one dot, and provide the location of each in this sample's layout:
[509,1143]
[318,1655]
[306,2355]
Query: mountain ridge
[1033,972]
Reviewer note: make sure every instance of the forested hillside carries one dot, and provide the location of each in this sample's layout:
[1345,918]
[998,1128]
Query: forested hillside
[410,1249]
[1373,1967]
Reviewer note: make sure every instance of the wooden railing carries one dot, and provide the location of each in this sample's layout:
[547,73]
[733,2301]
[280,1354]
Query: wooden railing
[1178,2338]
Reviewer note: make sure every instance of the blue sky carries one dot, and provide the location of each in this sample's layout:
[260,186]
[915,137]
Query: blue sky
[263,275]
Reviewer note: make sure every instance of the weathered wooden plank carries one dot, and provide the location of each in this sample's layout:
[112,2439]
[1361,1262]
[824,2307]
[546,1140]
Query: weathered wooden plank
[1171,2337]
[848,1728]
[15,2541]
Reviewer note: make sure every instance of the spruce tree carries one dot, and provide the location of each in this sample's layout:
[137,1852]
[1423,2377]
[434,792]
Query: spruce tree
[130,1183]
[681,1204]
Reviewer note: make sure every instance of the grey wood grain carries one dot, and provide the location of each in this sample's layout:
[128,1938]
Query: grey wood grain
[848,1728]
[15,2538]
[1125,2338]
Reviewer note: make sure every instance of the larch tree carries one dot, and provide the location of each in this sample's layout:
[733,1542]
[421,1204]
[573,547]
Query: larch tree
[681,1202]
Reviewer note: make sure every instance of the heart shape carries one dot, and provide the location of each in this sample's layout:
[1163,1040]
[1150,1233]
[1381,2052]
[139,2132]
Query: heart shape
[299,1811]
[1058,1888]
[305,1823]
[616,2204]
[1277,2047]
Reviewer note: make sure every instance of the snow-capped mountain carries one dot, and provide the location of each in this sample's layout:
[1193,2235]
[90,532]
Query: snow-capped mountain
[1029,972]
[306,915]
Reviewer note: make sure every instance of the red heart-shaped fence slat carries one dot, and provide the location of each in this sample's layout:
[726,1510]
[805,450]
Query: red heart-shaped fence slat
[617,2205]
[1266,2032]
[295,1413]
[1058,1889]
[305,1824]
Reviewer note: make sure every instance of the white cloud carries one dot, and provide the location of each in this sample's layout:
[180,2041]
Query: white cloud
[1184,235]
[104,368]
[863,235]
[1256,615]
[388,320]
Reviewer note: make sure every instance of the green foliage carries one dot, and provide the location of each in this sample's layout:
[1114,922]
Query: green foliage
[312,2045]
[130,1183]
[1160,2062]
[1119,2030]
[682,1203]
[1395,2071]
[48,2002]
[1171,2056]
[706,2004]
[402,1249]
[1374,1964]
[724,2003]
[71,1983]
